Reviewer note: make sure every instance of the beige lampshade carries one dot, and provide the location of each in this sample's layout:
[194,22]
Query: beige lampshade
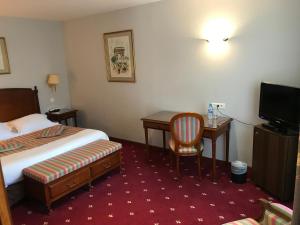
[53,79]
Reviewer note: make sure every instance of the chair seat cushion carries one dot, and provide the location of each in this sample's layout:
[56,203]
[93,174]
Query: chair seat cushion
[185,150]
[56,167]
[247,221]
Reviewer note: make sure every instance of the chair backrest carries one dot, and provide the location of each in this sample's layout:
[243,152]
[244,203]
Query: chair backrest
[187,128]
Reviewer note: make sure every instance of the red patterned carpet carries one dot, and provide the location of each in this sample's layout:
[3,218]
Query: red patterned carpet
[147,194]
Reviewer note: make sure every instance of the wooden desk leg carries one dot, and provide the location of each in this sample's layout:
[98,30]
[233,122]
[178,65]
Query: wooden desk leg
[147,143]
[164,140]
[227,146]
[213,148]
[75,121]
[66,121]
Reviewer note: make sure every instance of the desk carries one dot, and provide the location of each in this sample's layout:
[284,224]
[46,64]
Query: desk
[161,121]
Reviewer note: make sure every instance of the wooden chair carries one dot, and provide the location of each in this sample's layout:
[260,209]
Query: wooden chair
[186,138]
[272,214]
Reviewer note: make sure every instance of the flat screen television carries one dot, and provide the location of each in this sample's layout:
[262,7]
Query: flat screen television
[280,105]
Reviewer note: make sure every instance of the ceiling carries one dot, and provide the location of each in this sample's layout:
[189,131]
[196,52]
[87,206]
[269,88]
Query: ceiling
[62,10]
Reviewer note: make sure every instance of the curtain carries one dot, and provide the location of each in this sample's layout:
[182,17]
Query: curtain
[296,209]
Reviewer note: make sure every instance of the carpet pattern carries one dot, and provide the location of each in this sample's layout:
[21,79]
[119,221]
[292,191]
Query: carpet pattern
[146,193]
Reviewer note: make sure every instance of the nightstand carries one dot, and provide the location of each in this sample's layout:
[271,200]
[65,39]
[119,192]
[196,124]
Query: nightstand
[63,115]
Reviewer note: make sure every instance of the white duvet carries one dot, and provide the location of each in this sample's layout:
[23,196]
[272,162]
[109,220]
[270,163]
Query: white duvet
[12,165]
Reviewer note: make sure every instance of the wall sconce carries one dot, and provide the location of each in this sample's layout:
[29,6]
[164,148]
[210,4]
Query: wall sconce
[217,33]
[53,81]
[217,30]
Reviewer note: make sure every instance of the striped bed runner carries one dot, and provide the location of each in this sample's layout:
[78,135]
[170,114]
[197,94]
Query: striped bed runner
[56,167]
[31,140]
[247,221]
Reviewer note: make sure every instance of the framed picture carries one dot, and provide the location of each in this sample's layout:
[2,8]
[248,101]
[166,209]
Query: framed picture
[119,56]
[4,63]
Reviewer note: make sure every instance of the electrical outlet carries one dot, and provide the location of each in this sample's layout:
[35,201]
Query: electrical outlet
[218,105]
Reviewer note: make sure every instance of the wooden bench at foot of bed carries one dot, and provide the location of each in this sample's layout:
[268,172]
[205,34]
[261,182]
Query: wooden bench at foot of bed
[54,178]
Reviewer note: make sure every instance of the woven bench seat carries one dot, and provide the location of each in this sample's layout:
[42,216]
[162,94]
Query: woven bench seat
[54,178]
[59,166]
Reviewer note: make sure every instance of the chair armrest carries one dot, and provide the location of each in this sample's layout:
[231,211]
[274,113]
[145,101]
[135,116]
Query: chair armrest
[267,205]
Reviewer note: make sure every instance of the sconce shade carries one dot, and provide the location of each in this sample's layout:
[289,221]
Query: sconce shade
[53,79]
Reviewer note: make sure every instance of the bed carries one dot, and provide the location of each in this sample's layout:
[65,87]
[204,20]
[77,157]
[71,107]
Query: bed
[19,102]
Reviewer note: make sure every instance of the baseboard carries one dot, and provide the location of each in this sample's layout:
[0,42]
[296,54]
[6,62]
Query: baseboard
[153,147]
[161,149]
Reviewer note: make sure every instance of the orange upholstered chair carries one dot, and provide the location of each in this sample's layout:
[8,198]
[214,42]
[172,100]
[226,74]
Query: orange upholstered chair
[273,214]
[186,137]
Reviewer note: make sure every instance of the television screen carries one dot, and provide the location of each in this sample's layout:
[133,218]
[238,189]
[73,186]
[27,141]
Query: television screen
[280,104]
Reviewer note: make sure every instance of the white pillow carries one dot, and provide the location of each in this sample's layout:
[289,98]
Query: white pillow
[30,123]
[5,132]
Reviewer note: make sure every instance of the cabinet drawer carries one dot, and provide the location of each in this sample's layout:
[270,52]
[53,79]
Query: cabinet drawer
[103,165]
[157,126]
[69,182]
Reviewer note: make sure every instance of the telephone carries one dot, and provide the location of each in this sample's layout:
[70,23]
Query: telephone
[54,110]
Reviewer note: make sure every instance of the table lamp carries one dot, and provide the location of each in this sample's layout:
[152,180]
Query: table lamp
[53,81]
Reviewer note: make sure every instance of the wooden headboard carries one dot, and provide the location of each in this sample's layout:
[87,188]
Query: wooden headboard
[18,102]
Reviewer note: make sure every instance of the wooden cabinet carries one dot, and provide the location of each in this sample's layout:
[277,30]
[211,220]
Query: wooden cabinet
[274,162]
[50,192]
[63,115]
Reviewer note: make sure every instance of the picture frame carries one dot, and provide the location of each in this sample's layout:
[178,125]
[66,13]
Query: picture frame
[119,56]
[4,61]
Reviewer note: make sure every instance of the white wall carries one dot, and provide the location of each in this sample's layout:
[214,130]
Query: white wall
[35,49]
[174,70]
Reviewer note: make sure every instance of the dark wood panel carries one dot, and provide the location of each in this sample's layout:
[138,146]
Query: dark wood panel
[288,182]
[259,157]
[18,102]
[35,190]
[274,162]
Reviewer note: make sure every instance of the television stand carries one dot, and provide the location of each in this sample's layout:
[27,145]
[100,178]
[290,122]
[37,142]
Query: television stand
[274,162]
